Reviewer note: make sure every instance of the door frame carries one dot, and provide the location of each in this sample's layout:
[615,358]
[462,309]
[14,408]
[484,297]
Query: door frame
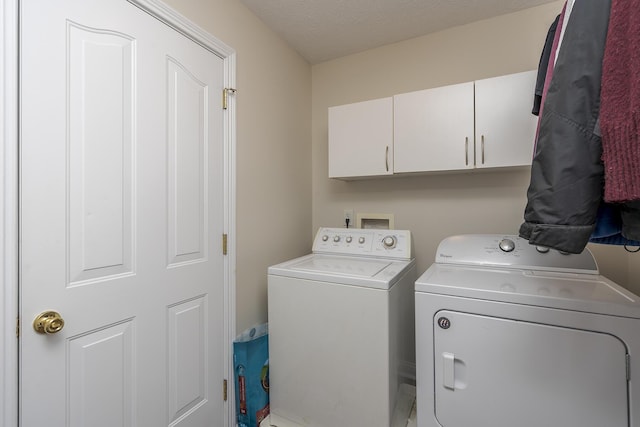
[9,195]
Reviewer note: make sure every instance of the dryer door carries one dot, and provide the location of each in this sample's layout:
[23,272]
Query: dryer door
[494,372]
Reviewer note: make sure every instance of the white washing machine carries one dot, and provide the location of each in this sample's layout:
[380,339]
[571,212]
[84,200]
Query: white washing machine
[509,334]
[341,329]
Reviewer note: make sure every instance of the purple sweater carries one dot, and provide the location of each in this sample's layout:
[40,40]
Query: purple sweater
[620,103]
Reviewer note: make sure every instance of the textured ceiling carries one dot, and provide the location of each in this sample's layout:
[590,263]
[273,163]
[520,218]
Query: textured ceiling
[326,29]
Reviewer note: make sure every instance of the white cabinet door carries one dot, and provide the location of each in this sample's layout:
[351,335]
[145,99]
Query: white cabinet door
[433,129]
[505,127]
[361,139]
[482,124]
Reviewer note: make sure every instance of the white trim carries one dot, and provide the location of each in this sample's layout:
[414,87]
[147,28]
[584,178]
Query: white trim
[184,26]
[230,226]
[9,213]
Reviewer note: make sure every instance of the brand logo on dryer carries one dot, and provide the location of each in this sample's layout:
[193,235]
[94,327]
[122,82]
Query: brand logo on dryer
[444,323]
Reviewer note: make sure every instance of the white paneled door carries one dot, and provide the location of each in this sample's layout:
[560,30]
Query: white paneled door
[122,206]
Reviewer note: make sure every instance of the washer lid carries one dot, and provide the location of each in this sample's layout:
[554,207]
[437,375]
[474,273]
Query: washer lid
[349,270]
[339,265]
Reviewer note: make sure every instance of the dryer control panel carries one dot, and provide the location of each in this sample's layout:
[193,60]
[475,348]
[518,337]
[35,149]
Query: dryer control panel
[508,251]
[394,244]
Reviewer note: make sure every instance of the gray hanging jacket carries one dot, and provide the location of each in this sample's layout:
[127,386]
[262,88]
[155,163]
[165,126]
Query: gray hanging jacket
[567,175]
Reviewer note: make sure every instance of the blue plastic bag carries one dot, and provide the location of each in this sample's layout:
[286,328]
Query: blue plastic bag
[251,366]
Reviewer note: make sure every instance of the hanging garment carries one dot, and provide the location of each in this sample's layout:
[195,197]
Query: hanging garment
[567,175]
[620,110]
[566,11]
[630,214]
[610,224]
[550,66]
[543,65]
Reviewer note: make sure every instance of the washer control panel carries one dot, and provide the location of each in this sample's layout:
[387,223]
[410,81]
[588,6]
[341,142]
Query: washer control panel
[511,251]
[394,244]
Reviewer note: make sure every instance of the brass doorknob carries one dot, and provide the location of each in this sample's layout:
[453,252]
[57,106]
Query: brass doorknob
[48,322]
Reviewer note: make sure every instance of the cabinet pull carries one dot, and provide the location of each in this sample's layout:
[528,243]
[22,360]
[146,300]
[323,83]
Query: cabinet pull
[466,151]
[386,159]
[482,147]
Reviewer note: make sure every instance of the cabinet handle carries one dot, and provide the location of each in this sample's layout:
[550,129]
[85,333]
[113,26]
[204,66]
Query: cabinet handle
[386,159]
[466,151]
[482,147]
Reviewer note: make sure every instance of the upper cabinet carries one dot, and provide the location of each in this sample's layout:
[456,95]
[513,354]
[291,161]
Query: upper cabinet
[361,139]
[505,127]
[433,129]
[482,124]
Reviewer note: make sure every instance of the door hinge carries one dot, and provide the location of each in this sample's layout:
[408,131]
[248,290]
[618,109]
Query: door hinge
[628,364]
[224,244]
[224,390]
[17,327]
[225,96]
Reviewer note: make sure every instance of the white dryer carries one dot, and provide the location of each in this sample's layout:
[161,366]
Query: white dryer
[509,334]
[341,329]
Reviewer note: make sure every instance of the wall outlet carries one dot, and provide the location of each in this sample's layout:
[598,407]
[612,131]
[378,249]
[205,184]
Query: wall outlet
[348,218]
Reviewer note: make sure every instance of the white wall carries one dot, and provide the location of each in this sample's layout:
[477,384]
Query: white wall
[633,283]
[273,147]
[436,206]
[282,135]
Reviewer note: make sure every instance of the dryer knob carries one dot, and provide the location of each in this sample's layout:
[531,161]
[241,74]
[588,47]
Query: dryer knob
[336,239]
[325,238]
[507,245]
[361,240]
[349,239]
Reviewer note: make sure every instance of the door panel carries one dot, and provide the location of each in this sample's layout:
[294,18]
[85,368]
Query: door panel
[187,331]
[100,153]
[187,164]
[494,372]
[121,217]
[107,403]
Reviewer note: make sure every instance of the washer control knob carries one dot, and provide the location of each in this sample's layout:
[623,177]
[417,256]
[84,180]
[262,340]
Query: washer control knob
[336,239]
[361,240]
[542,249]
[349,239]
[507,245]
[389,242]
[325,238]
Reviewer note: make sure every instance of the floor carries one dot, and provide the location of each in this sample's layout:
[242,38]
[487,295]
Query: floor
[404,414]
